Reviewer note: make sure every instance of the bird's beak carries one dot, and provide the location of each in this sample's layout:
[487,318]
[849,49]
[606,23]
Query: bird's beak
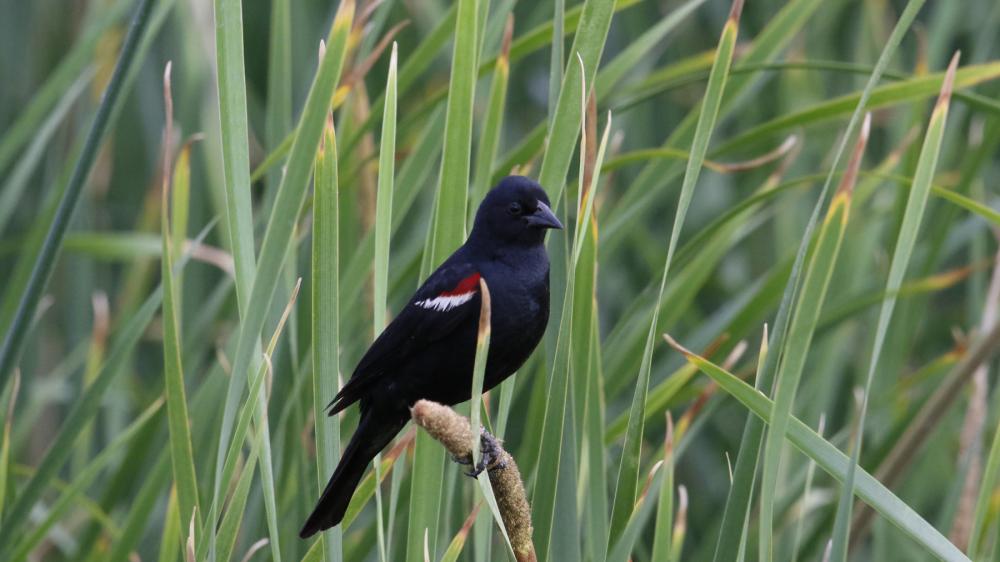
[543,217]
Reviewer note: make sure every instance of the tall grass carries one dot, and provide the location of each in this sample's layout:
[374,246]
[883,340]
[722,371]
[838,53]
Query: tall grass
[185,419]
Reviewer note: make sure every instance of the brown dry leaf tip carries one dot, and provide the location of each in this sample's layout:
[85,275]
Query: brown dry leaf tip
[190,542]
[254,548]
[851,174]
[949,81]
[668,439]
[508,37]
[484,311]
[168,122]
[366,13]
[362,69]
[735,355]
[735,11]
[784,148]
[674,344]
[682,510]
[649,482]
[102,317]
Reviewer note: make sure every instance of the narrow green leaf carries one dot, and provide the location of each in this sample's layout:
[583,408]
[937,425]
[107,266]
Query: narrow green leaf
[915,205]
[69,497]
[13,341]
[628,471]
[834,462]
[489,139]
[447,233]
[475,417]
[181,452]
[801,328]
[326,321]
[273,253]
[740,493]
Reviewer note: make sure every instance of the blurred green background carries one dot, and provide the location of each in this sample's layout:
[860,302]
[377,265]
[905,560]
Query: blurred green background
[798,70]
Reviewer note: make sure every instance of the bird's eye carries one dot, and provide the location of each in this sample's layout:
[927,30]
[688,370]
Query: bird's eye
[514,208]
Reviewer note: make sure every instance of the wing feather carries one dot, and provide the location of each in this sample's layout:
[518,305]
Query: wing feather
[449,297]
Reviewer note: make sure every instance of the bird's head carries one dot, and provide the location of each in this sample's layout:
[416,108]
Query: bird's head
[516,211]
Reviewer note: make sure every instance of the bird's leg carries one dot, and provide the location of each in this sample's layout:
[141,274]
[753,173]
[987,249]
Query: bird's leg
[492,457]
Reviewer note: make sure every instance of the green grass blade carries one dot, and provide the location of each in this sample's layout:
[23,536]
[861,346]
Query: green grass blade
[11,399]
[642,511]
[58,83]
[13,188]
[235,141]
[766,46]
[564,124]
[610,77]
[889,95]
[273,253]
[550,452]
[452,197]
[801,328]
[84,410]
[181,452]
[326,321]
[475,417]
[740,494]
[834,462]
[383,229]
[664,526]
[82,481]
[447,233]
[489,139]
[13,342]
[628,471]
[915,206]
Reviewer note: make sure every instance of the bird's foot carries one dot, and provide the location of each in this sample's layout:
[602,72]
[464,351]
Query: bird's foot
[492,457]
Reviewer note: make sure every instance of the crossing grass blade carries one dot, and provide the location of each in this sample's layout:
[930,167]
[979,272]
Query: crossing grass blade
[740,494]
[832,461]
[84,410]
[628,471]
[56,86]
[915,206]
[70,495]
[564,124]
[14,186]
[13,341]
[815,282]
[273,253]
[766,46]
[544,498]
[889,95]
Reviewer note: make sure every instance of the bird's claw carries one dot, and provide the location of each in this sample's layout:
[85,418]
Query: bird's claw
[461,460]
[491,459]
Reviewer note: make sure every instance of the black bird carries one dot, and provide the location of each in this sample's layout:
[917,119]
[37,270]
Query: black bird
[428,350]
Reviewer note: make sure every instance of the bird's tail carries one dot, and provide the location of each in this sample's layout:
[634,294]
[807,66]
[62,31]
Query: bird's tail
[371,437]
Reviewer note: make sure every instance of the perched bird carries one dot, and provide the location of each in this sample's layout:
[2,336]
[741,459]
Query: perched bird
[428,350]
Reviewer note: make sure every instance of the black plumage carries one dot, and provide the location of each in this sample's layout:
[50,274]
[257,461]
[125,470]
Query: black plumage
[427,351]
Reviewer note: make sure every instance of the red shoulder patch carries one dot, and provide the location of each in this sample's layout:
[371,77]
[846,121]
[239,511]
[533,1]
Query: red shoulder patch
[469,284]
